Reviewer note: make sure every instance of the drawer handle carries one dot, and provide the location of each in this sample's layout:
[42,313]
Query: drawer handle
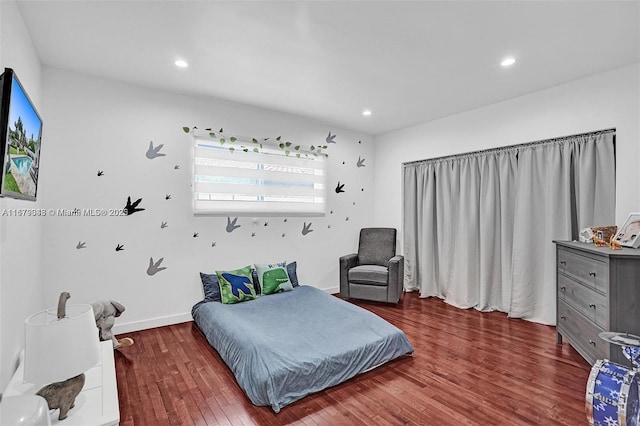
[592,274]
[563,318]
[562,262]
[563,288]
[592,305]
[592,343]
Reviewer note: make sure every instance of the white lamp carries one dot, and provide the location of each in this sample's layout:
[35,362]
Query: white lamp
[60,346]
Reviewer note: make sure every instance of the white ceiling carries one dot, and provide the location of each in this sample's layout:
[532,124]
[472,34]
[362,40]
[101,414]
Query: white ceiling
[409,62]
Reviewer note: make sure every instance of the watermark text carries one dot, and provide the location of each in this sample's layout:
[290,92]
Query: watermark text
[75,212]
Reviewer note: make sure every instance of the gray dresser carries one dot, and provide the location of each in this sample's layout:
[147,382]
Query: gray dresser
[598,289]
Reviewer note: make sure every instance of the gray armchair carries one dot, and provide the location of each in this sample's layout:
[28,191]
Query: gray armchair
[375,272]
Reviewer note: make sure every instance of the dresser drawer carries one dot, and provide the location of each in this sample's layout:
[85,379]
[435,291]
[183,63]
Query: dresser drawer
[591,270]
[587,301]
[581,333]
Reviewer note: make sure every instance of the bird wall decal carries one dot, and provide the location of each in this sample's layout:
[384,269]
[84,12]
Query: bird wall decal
[163,225]
[154,268]
[306,228]
[81,245]
[339,188]
[120,247]
[132,208]
[231,224]
[100,173]
[330,138]
[360,162]
[154,152]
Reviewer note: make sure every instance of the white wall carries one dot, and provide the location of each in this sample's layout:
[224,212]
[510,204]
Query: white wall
[20,263]
[94,124]
[598,102]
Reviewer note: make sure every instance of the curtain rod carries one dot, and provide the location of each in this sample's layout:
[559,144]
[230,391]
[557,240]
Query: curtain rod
[502,148]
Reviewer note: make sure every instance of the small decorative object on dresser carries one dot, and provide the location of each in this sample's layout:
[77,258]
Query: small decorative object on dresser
[604,233]
[597,290]
[629,234]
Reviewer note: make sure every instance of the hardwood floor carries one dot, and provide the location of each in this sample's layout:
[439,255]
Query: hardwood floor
[469,368]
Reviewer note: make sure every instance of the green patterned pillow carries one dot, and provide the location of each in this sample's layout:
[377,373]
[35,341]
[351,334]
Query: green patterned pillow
[236,286]
[273,278]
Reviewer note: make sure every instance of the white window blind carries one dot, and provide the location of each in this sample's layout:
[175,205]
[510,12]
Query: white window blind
[233,179]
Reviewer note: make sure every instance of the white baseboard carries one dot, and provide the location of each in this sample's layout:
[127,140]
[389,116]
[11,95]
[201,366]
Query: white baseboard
[332,290]
[129,327]
[151,323]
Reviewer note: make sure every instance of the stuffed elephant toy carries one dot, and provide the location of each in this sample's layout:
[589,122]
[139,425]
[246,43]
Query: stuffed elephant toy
[105,313]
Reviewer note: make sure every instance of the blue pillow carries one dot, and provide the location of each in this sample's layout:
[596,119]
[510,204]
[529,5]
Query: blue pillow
[211,287]
[291,271]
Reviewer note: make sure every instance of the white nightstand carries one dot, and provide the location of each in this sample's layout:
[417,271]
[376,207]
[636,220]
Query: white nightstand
[96,405]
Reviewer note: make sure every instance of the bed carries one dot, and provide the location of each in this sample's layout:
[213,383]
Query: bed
[282,347]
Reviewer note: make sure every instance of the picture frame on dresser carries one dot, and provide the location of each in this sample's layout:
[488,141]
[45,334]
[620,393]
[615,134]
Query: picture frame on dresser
[628,235]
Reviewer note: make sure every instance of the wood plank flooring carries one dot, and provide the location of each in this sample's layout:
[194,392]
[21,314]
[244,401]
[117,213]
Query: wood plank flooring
[469,368]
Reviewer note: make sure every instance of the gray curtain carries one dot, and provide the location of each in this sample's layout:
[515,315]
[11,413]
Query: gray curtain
[478,228]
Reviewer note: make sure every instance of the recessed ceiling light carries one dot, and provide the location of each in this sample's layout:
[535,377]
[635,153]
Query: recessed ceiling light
[366,112]
[507,62]
[181,64]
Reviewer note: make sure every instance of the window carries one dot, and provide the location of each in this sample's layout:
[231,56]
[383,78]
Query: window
[233,179]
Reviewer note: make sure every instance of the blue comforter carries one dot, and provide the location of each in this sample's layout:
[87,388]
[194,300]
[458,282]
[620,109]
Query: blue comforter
[284,346]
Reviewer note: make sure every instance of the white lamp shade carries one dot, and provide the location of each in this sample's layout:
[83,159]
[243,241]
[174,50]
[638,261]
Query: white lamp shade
[57,350]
